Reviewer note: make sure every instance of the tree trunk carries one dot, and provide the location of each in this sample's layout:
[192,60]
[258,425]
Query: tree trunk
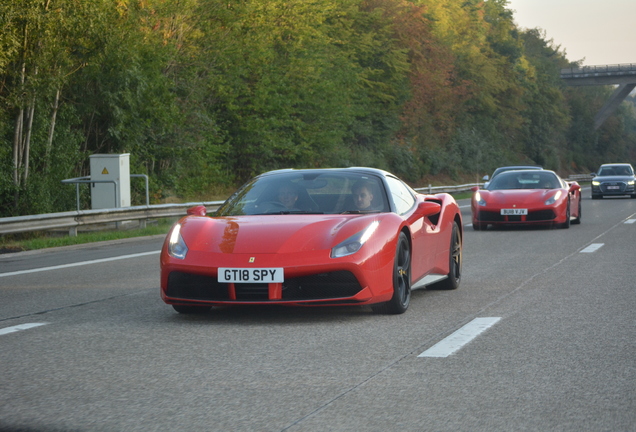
[27,141]
[49,141]
[17,147]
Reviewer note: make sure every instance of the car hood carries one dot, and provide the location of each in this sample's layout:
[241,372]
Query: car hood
[272,233]
[519,197]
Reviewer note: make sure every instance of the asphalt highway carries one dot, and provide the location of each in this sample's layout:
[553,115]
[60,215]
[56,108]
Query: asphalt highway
[86,344]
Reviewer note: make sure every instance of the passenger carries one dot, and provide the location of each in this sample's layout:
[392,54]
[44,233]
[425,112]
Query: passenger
[363,195]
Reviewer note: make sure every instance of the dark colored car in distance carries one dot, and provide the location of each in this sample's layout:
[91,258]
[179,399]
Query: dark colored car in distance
[615,179]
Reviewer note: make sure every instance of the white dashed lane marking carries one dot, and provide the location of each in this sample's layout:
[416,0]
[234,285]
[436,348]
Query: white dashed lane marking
[58,267]
[592,248]
[19,327]
[459,338]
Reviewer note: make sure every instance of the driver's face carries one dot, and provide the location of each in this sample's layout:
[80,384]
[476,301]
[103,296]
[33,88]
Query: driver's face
[287,196]
[362,198]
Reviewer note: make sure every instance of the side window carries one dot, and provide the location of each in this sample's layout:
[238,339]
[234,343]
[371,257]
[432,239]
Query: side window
[401,194]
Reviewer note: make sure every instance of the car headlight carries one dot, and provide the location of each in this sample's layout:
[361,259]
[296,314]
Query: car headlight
[355,242]
[596,183]
[479,199]
[554,198]
[176,246]
[631,182]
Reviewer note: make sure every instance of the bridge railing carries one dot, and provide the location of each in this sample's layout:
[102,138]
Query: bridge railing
[605,70]
[74,219]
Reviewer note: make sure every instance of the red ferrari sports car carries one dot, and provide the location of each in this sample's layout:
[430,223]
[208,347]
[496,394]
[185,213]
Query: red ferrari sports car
[316,237]
[527,197]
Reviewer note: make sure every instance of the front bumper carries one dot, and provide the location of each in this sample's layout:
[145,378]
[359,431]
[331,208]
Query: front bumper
[613,188]
[319,287]
[537,216]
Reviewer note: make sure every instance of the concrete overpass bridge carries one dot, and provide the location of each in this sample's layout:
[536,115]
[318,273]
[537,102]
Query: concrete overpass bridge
[623,75]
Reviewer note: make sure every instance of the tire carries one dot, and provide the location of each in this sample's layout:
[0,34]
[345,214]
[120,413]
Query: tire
[577,221]
[191,309]
[478,227]
[399,303]
[597,196]
[566,224]
[455,258]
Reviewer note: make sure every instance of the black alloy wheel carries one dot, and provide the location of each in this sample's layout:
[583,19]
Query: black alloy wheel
[566,224]
[399,303]
[455,258]
[577,220]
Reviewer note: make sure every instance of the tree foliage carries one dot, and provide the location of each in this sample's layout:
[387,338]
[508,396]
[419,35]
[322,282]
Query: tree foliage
[206,93]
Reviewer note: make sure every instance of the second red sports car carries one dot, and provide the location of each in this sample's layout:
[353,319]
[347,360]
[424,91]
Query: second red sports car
[527,197]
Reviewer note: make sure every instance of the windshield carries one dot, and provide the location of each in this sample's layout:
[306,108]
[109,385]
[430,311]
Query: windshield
[525,180]
[616,170]
[309,192]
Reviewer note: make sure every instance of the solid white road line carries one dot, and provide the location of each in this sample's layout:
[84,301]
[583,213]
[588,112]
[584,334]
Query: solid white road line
[26,326]
[461,337]
[41,269]
[592,248]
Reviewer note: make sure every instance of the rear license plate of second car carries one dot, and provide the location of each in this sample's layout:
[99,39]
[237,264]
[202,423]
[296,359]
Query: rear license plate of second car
[251,275]
[514,212]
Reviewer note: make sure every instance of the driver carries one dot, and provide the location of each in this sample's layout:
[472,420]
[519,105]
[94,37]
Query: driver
[287,196]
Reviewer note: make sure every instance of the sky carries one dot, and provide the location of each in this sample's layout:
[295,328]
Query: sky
[599,32]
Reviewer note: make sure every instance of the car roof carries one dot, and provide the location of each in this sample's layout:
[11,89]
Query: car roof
[366,170]
[531,170]
[516,168]
[615,164]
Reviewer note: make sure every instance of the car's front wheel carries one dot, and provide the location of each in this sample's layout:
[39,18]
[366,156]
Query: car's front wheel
[455,258]
[577,220]
[399,303]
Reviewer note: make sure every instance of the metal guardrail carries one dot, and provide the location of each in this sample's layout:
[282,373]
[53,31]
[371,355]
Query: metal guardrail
[74,219]
[448,189]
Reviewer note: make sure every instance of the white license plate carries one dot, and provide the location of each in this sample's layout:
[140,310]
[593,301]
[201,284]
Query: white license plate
[514,212]
[613,187]
[251,275]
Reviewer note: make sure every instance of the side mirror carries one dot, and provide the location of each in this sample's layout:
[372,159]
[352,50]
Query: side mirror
[197,211]
[593,174]
[428,208]
[474,188]
[575,187]
[485,178]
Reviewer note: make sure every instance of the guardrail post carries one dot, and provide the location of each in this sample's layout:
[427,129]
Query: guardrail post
[72,231]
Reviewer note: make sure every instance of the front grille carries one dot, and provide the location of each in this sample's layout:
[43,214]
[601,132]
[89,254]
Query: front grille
[605,187]
[332,285]
[541,215]
[336,284]
[196,287]
[533,216]
[252,291]
[489,216]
